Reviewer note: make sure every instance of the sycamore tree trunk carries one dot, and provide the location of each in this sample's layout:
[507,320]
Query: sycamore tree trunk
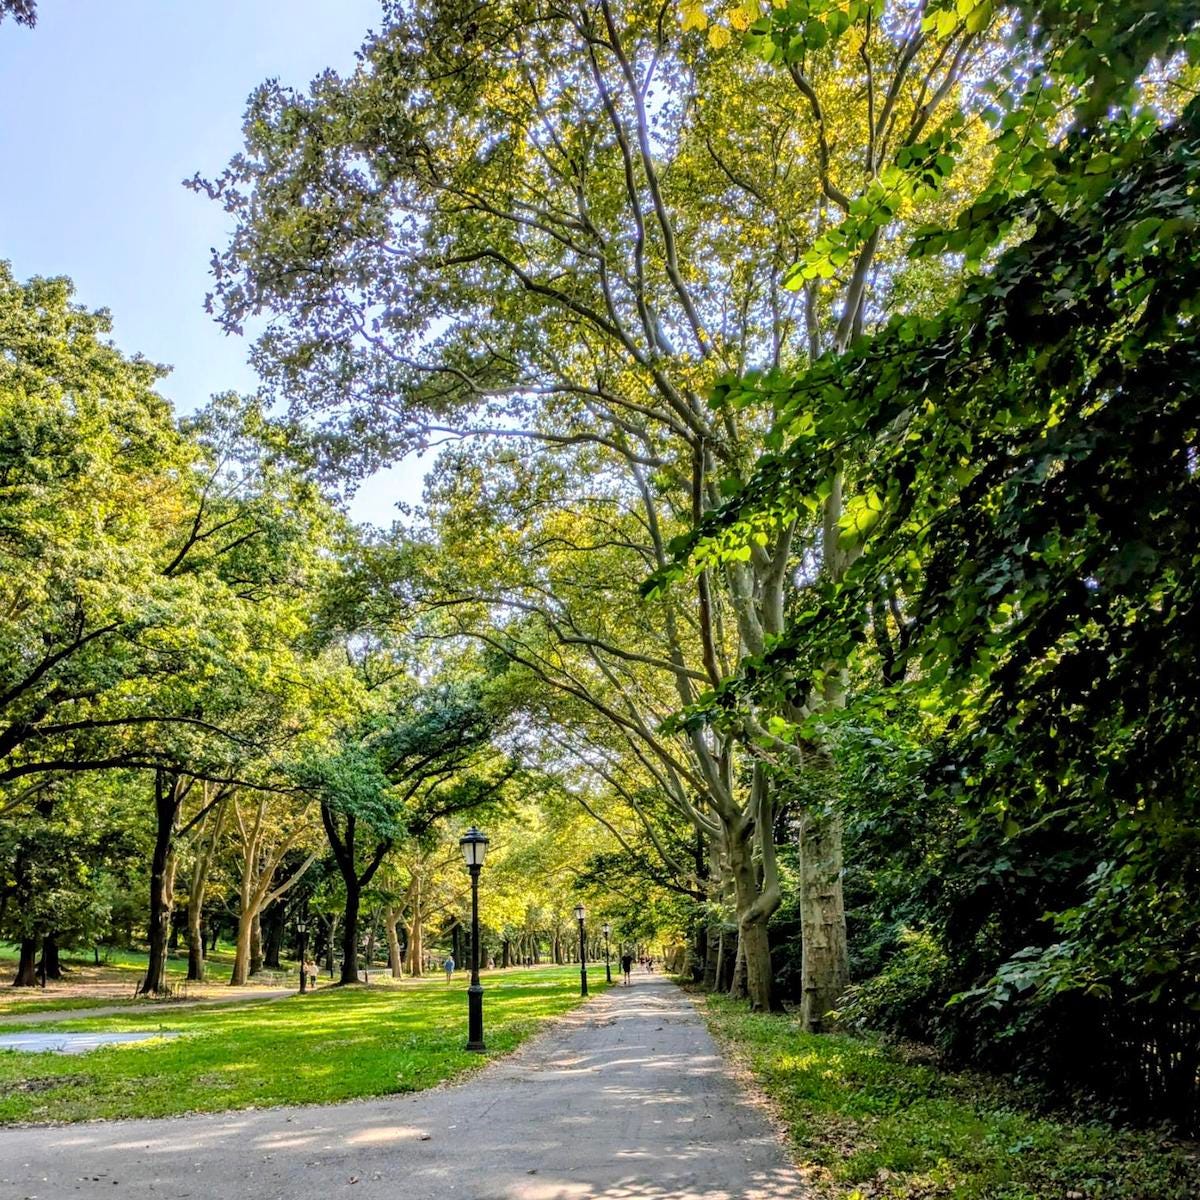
[256,943]
[260,861]
[415,938]
[210,835]
[195,943]
[414,930]
[825,962]
[195,940]
[756,891]
[739,988]
[241,954]
[395,962]
[824,957]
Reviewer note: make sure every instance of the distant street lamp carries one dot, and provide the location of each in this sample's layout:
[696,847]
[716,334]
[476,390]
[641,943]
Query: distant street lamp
[607,964]
[474,848]
[579,915]
[301,930]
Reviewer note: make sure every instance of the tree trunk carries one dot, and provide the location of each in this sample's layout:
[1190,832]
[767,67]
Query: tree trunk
[273,937]
[414,931]
[256,948]
[350,934]
[825,968]
[342,843]
[212,826]
[167,799]
[27,968]
[712,958]
[395,962]
[51,964]
[506,953]
[195,971]
[369,951]
[752,976]
[415,956]
[697,957]
[824,971]
[738,983]
[333,924]
[241,952]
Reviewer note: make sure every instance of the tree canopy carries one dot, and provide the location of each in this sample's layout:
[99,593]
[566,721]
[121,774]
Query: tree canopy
[806,571]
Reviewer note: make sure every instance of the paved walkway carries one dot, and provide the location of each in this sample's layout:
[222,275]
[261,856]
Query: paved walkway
[74,1043]
[45,1016]
[626,1099]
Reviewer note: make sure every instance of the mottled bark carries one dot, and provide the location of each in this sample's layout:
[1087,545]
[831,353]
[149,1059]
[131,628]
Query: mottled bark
[210,833]
[256,944]
[824,958]
[395,962]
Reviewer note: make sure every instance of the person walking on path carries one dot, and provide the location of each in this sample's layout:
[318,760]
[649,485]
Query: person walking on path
[448,966]
[626,966]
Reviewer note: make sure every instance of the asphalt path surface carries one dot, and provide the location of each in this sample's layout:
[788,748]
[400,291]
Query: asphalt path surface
[627,1098]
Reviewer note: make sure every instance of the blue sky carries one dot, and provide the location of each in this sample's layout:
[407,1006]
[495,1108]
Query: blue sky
[104,108]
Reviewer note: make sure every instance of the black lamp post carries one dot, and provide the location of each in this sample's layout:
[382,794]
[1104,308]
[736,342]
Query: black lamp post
[607,964]
[301,930]
[474,847]
[579,915]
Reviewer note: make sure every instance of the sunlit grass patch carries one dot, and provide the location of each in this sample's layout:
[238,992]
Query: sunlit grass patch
[868,1123]
[335,1044]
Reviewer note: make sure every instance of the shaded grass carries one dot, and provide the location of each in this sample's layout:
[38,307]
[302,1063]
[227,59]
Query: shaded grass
[33,1002]
[867,1121]
[335,1044]
[121,968]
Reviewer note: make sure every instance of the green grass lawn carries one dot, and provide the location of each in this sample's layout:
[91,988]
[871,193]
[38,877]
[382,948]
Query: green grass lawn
[335,1044]
[115,979]
[868,1122]
[15,1003]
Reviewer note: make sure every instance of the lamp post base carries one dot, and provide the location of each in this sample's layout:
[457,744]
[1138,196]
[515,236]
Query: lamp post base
[475,1019]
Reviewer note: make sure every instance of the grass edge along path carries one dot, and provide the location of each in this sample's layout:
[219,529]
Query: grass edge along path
[334,1045]
[868,1122]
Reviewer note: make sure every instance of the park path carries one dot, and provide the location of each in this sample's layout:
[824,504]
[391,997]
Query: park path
[627,1098]
[45,1016]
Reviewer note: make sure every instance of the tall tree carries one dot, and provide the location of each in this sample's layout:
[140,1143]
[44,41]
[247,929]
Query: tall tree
[1025,467]
[529,230]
